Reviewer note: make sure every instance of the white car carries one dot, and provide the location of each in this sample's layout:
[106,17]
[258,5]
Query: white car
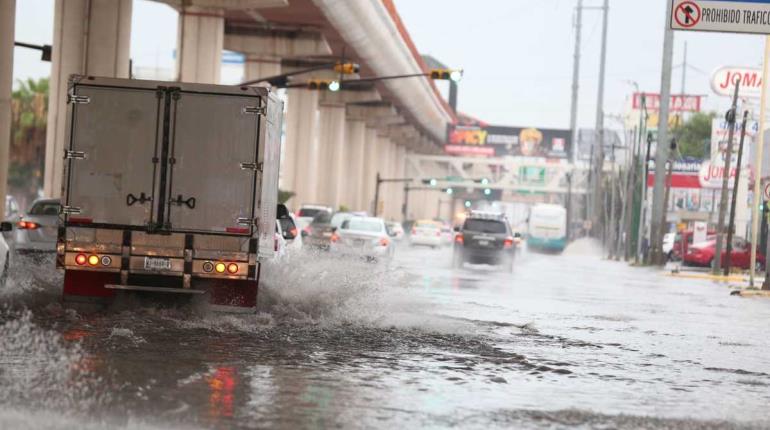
[5,253]
[365,237]
[426,233]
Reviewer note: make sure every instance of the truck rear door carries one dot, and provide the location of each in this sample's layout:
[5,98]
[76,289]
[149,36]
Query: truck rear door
[110,159]
[213,163]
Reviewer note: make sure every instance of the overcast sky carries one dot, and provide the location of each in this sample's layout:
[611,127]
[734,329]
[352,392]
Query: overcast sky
[517,54]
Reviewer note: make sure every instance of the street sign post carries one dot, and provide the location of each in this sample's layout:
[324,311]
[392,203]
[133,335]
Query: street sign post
[725,16]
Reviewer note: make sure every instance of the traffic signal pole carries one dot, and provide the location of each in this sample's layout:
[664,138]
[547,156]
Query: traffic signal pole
[379,181]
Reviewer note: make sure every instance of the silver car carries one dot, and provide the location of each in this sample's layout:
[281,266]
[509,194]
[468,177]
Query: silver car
[36,230]
[365,237]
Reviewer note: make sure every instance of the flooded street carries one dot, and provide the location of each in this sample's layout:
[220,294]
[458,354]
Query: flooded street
[568,340]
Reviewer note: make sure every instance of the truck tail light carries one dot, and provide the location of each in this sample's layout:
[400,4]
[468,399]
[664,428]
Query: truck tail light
[93,260]
[459,238]
[106,260]
[220,267]
[208,267]
[508,242]
[27,225]
[232,268]
[81,259]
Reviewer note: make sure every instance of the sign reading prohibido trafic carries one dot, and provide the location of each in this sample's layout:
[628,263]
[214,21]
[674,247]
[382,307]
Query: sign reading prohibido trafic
[726,16]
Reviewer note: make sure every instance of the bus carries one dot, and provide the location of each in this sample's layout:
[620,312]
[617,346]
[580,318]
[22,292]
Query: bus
[547,228]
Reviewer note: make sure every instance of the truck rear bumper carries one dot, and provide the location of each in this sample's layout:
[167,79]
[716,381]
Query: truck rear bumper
[97,286]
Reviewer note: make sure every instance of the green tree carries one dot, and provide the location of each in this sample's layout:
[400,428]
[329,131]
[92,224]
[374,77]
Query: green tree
[694,136]
[29,114]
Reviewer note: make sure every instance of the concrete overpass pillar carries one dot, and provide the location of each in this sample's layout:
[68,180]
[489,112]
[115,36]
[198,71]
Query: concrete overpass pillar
[383,166]
[331,169]
[200,40]
[91,37]
[370,154]
[7,27]
[299,166]
[354,169]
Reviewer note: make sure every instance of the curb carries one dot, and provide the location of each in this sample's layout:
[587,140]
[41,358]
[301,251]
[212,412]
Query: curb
[751,293]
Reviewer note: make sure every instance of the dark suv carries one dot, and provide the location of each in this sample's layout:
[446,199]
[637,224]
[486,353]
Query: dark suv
[485,238]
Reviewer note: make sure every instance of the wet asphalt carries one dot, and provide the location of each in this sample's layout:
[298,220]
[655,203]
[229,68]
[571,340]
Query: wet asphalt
[565,341]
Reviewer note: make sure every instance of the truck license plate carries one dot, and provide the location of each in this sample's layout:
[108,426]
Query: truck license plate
[156,263]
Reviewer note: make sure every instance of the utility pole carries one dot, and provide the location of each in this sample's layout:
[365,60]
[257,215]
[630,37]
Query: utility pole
[684,68]
[731,224]
[599,143]
[669,174]
[730,118]
[575,81]
[661,152]
[569,205]
[643,206]
[629,206]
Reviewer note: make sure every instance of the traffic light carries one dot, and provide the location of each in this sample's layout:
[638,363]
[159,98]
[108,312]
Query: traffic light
[432,182]
[467,203]
[484,181]
[487,191]
[446,75]
[323,85]
[450,191]
[347,68]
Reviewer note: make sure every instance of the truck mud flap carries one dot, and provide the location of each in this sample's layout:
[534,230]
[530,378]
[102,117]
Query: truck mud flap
[81,284]
[230,295]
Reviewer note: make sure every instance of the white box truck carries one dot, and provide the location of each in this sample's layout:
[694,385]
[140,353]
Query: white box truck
[168,187]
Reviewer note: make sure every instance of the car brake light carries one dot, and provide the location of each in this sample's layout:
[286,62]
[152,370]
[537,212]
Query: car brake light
[459,238]
[508,242]
[414,231]
[27,225]
[81,259]
[334,238]
[384,241]
[232,268]
[293,232]
[93,260]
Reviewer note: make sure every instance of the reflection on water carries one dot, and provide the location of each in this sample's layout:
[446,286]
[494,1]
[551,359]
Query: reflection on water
[566,340]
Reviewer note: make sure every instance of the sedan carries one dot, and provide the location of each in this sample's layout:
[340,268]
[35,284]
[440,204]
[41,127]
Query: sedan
[37,230]
[365,237]
[702,254]
[426,233]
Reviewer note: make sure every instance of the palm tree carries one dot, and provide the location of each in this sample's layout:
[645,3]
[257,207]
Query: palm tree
[29,114]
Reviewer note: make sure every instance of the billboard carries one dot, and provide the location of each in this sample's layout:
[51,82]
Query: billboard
[723,81]
[677,103]
[501,141]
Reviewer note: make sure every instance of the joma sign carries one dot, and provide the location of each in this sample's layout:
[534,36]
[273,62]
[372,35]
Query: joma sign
[724,79]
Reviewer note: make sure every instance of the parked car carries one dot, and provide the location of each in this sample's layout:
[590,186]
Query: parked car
[308,212]
[702,254]
[396,230]
[676,247]
[485,238]
[365,237]
[36,231]
[5,252]
[426,233]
